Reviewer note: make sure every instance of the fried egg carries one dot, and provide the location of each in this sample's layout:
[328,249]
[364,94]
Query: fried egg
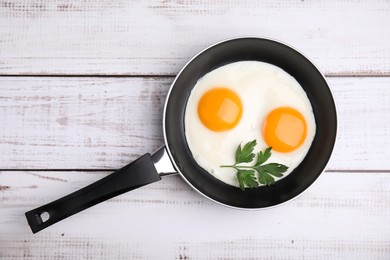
[244,101]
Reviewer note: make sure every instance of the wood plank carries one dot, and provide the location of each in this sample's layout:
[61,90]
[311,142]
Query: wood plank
[342,216]
[49,121]
[158,37]
[104,123]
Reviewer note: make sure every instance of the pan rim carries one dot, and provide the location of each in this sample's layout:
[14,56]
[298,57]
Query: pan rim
[165,123]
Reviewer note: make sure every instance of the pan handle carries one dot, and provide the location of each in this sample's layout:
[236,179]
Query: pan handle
[134,175]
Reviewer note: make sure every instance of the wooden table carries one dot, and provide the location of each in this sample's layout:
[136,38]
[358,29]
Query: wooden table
[82,89]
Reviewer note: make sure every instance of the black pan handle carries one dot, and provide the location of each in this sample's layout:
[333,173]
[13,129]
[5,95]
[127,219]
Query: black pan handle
[134,175]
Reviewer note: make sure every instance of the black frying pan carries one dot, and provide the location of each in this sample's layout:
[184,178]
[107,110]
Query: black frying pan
[176,157]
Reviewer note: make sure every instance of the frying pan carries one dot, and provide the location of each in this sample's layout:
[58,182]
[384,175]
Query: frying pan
[175,156]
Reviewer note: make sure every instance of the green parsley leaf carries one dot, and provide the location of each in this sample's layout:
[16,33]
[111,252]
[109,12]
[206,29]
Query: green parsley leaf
[262,157]
[274,169]
[265,178]
[246,154]
[247,178]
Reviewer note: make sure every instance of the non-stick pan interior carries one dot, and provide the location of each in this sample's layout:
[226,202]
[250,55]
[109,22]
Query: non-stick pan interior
[292,62]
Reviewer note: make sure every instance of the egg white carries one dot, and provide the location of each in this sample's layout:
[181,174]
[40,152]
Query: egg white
[261,87]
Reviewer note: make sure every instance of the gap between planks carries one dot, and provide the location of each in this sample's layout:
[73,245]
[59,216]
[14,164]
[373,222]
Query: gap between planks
[112,170]
[327,75]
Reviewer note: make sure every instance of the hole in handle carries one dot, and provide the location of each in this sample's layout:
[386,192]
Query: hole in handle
[44,216]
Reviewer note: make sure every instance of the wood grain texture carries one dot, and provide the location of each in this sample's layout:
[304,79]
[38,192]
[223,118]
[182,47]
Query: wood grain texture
[342,216]
[58,116]
[159,37]
[104,123]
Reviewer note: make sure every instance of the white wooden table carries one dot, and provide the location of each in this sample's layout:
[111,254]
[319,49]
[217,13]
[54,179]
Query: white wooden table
[82,88]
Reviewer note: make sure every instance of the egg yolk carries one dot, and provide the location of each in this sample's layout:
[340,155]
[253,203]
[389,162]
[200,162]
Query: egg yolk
[220,109]
[285,129]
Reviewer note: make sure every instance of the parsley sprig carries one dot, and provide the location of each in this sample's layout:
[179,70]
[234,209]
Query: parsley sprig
[246,175]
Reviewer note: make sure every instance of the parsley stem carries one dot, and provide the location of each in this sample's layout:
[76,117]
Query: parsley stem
[235,166]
